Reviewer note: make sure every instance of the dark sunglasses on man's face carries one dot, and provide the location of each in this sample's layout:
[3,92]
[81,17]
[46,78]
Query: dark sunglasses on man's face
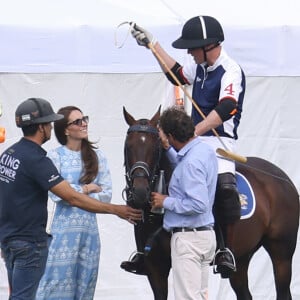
[78,122]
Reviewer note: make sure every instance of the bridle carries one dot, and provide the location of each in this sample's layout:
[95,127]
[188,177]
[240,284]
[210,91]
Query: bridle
[140,169]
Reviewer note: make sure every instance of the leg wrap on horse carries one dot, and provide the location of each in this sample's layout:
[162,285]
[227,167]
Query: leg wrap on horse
[227,206]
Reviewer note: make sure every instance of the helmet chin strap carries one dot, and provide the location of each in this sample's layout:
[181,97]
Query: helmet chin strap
[204,52]
[209,49]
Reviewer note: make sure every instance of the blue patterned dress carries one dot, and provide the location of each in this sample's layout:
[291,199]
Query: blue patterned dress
[73,260]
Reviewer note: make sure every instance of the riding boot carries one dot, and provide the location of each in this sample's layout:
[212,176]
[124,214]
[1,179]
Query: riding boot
[224,262]
[227,209]
[136,264]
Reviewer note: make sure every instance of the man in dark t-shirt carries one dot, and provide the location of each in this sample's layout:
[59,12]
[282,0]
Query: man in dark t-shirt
[27,179]
[26,175]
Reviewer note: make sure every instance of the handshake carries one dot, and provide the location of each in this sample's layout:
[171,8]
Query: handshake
[142,36]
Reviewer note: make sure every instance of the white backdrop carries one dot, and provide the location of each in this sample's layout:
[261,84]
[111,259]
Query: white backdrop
[102,97]
[64,51]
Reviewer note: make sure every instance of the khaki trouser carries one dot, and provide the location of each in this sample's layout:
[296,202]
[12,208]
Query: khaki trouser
[191,254]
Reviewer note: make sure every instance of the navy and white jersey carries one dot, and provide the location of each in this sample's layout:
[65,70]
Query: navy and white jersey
[26,175]
[212,84]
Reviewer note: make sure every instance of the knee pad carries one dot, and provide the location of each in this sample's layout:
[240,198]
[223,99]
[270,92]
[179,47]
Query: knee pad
[227,206]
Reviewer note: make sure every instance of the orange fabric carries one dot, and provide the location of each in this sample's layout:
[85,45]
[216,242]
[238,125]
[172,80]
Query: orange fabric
[233,112]
[2,134]
[178,99]
[177,92]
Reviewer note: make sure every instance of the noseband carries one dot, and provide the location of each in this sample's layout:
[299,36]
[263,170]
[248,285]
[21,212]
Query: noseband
[145,171]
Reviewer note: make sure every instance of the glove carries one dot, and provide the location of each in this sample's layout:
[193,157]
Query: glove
[142,36]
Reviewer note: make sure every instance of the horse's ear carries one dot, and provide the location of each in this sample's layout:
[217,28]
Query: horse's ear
[155,118]
[130,120]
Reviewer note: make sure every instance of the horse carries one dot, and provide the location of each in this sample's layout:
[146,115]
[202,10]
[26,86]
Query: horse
[144,157]
[272,225]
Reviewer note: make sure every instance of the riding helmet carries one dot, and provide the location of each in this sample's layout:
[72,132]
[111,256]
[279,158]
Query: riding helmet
[35,111]
[199,32]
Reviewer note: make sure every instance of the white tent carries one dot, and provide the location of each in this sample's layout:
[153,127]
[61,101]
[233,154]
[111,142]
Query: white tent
[65,51]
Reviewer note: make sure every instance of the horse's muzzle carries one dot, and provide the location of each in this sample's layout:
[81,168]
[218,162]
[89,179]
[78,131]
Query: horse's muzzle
[140,197]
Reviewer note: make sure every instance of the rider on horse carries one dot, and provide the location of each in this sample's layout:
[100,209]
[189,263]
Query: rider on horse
[218,89]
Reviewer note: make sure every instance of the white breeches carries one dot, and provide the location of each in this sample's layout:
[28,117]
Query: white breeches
[225,164]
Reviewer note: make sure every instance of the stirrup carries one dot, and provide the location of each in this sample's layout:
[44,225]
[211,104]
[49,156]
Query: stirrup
[133,254]
[226,266]
[132,266]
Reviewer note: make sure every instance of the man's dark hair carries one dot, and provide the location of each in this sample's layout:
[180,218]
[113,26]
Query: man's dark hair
[176,122]
[30,130]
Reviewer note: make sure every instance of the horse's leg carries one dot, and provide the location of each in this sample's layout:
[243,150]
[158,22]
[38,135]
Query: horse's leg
[281,253]
[158,279]
[158,265]
[239,279]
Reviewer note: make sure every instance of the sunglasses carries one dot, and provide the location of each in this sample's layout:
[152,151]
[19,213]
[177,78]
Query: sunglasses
[78,122]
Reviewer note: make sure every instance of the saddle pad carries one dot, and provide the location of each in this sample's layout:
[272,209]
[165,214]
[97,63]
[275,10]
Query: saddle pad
[247,197]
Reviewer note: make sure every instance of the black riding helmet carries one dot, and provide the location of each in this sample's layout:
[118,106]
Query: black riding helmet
[199,32]
[35,111]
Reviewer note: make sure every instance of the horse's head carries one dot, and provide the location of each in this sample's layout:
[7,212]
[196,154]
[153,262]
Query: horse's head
[142,153]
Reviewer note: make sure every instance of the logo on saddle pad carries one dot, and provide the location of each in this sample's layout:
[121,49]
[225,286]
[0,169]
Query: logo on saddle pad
[246,194]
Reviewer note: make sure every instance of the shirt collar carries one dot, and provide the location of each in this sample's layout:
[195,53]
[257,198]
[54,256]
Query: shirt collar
[186,148]
[218,61]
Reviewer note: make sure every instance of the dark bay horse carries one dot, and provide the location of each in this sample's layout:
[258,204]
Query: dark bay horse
[273,225]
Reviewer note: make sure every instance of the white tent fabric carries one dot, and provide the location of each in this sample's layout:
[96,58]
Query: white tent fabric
[64,51]
[76,36]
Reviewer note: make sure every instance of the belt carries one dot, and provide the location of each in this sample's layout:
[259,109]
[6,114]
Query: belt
[189,229]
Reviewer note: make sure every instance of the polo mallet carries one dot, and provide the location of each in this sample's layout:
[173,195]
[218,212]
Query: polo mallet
[224,152]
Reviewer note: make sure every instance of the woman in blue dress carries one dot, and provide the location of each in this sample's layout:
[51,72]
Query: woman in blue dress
[72,265]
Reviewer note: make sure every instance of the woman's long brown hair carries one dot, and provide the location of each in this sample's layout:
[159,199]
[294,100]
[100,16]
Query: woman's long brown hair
[88,154]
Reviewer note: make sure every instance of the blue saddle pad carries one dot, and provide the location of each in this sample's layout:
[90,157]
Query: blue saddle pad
[247,197]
